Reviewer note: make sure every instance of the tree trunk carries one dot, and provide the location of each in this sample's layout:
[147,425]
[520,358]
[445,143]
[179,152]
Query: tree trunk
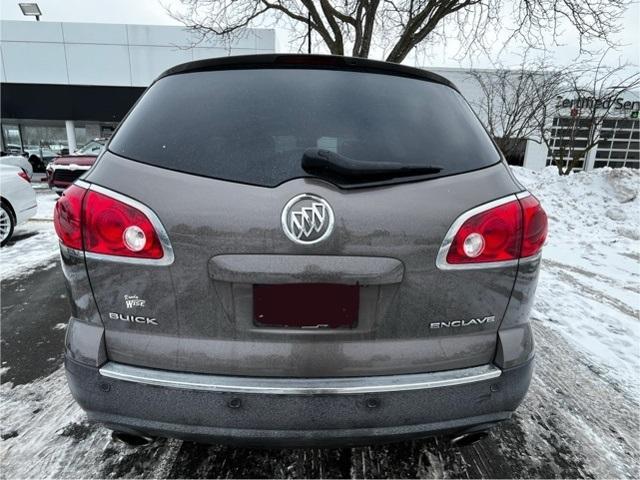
[574,161]
[558,164]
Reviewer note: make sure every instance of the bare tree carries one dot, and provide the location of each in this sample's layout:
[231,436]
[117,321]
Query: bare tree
[352,26]
[514,101]
[562,108]
[586,99]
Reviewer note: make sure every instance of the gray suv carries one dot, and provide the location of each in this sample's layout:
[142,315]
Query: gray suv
[299,250]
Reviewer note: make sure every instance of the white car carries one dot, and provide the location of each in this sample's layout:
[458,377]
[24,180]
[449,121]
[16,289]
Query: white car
[18,161]
[17,200]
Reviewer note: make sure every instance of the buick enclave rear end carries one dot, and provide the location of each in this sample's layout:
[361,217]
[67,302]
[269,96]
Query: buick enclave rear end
[287,250]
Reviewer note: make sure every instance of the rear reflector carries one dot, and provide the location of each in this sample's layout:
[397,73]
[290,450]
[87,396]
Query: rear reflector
[107,224]
[496,234]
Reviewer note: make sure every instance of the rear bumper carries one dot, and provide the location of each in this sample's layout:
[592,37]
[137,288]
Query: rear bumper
[228,413]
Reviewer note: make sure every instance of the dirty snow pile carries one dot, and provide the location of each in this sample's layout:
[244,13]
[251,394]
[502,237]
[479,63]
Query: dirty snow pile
[34,243]
[589,287]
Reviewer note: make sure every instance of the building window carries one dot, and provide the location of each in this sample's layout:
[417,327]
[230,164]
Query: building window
[11,139]
[568,136]
[618,146]
[52,137]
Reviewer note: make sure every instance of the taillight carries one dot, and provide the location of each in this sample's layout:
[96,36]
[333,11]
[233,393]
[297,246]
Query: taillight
[112,227]
[535,226]
[491,236]
[67,217]
[22,174]
[106,224]
[496,234]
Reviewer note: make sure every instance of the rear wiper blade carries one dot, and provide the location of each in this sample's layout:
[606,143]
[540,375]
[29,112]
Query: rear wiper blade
[318,160]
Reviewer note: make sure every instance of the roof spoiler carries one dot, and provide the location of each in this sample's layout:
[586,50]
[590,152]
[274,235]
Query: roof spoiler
[333,62]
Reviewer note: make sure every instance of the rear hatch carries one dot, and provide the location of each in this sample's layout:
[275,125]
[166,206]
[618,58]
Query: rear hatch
[280,270]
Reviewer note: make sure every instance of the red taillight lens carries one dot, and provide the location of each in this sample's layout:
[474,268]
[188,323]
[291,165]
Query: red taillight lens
[535,226]
[67,217]
[490,236]
[511,230]
[97,223]
[112,227]
[22,174]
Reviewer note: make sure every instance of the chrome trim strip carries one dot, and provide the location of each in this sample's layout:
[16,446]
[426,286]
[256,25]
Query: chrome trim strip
[299,386]
[68,167]
[167,258]
[522,195]
[157,262]
[532,258]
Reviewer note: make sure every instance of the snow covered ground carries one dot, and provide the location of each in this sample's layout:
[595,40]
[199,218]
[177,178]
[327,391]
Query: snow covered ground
[589,288]
[580,418]
[34,243]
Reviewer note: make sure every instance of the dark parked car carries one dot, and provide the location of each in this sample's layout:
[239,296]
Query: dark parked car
[65,169]
[300,250]
[39,157]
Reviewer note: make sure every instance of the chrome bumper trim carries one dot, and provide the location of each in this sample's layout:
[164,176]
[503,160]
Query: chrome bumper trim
[299,386]
[79,168]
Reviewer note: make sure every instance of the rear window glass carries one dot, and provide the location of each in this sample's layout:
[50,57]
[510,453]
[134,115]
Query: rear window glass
[253,125]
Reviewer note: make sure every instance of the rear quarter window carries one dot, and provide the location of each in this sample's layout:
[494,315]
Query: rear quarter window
[253,125]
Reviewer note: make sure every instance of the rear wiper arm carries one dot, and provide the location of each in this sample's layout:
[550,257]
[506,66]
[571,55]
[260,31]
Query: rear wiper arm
[318,160]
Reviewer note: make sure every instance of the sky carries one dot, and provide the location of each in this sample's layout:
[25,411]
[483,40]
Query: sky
[153,12]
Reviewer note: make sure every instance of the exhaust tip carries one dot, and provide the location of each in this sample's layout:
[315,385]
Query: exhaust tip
[131,439]
[467,439]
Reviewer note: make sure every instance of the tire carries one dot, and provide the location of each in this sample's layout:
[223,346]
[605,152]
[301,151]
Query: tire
[7,224]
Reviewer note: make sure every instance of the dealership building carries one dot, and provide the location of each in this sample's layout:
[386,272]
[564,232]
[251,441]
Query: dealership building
[619,132]
[66,83]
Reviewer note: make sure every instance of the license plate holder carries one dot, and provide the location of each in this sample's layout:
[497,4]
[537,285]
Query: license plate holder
[306,305]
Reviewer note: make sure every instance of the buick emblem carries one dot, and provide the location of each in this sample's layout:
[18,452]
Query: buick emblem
[307,219]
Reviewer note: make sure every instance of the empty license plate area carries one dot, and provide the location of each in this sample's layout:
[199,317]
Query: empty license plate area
[306,305]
